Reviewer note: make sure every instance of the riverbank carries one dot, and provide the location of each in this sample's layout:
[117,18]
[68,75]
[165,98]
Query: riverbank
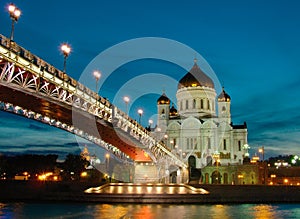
[12,191]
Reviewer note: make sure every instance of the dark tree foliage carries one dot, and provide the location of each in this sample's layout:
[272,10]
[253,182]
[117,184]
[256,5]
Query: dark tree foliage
[32,163]
[73,166]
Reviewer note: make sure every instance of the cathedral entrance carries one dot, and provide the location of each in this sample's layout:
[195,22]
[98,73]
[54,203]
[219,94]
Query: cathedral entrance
[195,173]
[192,161]
[173,174]
[216,177]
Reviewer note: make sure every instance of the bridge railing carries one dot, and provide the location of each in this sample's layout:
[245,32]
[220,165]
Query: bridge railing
[133,128]
[39,67]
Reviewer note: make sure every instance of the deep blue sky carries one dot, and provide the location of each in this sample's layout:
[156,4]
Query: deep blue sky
[252,46]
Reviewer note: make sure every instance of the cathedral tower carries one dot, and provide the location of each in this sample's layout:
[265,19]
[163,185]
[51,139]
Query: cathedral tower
[163,111]
[224,107]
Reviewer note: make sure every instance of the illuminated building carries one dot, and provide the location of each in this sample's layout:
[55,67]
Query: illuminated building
[201,128]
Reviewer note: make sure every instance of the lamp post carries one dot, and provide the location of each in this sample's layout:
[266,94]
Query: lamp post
[262,151]
[107,161]
[165,139]
[14,14]
[246,148]
[150,123]
[66,50]
[216,156]
[140,112]
[97,76]
[126,100]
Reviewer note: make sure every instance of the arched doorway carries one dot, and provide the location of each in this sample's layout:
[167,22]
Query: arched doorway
[173,174]
[192,161]
[195,173]
[216,177]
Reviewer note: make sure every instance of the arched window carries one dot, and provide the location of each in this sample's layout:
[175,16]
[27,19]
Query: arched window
[201,104]
[194,104]
[187,143]
[163,111]
[208,104]
[216,177]
[186,104]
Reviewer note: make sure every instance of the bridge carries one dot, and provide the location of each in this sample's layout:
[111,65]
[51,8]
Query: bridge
[33,88]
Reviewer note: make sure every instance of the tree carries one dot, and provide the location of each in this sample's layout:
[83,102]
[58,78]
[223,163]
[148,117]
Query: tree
[73,166]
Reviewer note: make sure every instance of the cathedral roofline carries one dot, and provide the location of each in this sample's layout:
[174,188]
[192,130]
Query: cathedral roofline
[244,126]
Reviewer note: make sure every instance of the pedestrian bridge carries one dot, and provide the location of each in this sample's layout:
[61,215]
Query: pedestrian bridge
[31,87]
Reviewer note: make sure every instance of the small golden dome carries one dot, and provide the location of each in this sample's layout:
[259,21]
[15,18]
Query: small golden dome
[173,111]
[224,97]
[163,99]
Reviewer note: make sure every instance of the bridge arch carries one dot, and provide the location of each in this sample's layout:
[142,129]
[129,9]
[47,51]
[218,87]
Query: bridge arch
[31,87]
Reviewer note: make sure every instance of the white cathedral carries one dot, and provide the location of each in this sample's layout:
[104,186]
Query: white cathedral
[199,134]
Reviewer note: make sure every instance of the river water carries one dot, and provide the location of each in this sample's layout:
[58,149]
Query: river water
[147,211]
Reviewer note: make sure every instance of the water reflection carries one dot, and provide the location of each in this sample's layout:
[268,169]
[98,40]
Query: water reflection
[220,211]
[264,211]
[147,211]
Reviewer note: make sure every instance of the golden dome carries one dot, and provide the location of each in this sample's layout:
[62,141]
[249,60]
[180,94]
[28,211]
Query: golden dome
[195,77]
[224,97]
[163,99]
[173,111]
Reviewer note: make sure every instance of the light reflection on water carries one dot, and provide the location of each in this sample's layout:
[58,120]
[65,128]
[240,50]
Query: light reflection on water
[147,211]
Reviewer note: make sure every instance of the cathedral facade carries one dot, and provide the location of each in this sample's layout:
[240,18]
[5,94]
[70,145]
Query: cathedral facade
[200,131]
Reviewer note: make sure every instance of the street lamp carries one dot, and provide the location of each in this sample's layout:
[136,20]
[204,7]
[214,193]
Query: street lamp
[247,147]
[97,76]
[65,49]
[165,138]
[126,100]
[150,123]
[140,112]
[262,151]
[107,161]
[216,156]
[14,14]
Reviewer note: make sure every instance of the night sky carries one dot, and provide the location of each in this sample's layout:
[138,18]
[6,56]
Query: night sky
[252,46]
